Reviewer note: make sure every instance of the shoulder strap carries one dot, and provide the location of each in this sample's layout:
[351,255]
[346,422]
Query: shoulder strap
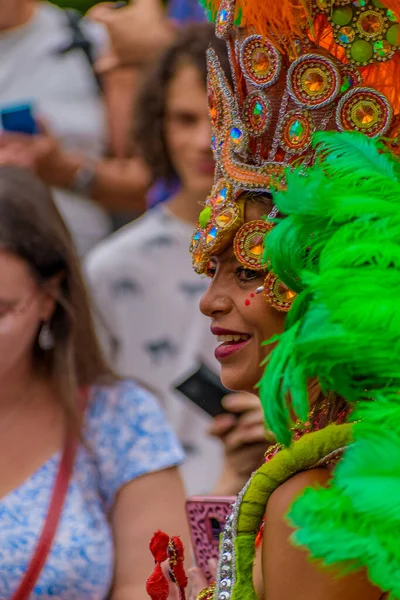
[54,512]
[80,42]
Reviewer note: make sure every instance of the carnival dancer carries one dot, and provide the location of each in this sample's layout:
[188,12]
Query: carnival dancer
[302,67]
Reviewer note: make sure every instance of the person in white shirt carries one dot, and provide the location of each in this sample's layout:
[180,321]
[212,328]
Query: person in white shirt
[141,278]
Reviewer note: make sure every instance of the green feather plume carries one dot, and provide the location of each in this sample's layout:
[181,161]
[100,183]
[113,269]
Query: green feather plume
[338,246]
[210,9]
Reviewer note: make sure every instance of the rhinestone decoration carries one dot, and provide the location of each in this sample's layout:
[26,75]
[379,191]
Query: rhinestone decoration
[313,81]
[265,122]
[239,137]
[225,19]
[366,29]
[221,214]
[248,244]
[346,35]
[277,294]
[296,131]
[215,105]
[236,135]
[260,61]
[257,113]
[366,110]
[211,236]
[225,218]
[382,48]
[370,24]
[350,78]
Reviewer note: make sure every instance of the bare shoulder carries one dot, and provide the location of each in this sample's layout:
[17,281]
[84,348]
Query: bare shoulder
[286,493]
[287,571]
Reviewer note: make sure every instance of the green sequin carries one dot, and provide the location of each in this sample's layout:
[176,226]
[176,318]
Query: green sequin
[205,217]
[347,83]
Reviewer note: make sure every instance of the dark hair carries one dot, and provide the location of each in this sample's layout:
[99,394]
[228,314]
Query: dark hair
[191,45]
[32,229]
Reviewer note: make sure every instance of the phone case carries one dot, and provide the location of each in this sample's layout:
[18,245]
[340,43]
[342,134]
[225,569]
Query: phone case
[207,518]
[205,389]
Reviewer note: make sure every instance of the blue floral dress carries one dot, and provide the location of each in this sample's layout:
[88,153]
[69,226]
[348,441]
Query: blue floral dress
[126,436]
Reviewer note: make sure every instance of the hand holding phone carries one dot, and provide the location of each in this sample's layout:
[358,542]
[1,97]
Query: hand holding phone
[18,118]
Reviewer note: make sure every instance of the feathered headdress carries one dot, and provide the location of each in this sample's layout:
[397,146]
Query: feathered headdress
[339,248]
[298,66]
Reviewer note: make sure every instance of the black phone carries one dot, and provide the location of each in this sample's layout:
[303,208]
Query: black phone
[205,389]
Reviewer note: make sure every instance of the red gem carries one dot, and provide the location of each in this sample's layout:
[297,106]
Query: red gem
[247,302]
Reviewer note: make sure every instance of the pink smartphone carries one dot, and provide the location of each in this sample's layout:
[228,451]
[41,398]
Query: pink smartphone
[207,517]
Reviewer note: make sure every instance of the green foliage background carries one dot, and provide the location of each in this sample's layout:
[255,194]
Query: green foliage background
[81,5]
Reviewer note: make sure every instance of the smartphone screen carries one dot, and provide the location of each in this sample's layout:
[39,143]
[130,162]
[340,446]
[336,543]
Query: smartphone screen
[18,119]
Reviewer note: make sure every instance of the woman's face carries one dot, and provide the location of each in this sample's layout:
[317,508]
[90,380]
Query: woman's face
[245,325]
[188,130]
[23,307]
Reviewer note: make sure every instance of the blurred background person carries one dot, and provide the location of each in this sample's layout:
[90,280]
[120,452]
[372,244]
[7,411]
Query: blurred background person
[47,61]
[141,278]
[57,394]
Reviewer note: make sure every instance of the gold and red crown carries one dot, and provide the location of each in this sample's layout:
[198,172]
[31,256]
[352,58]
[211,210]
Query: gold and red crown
[298,67]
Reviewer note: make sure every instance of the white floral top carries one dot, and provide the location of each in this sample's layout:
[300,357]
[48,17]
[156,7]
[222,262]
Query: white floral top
[127,436]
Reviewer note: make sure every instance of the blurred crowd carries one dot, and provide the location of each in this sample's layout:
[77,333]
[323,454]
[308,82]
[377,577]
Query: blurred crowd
[99,318]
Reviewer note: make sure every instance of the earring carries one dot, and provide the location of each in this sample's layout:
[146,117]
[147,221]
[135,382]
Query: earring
[46,338]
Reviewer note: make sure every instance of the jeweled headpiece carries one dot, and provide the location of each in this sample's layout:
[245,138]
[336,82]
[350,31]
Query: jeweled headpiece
[298,66]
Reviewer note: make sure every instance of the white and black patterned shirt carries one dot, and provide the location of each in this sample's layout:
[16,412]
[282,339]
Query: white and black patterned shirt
[147,298]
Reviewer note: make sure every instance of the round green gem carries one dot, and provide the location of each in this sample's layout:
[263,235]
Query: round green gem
[392,35]
[296,131]
[361,51]
[205,217]
[382,48]
[391,15]
[342,15]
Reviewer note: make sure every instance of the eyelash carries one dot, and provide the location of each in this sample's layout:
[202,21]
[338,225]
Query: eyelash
[210,272]
[243,270]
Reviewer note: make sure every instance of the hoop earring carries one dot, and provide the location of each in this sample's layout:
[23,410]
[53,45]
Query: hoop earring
[46,338]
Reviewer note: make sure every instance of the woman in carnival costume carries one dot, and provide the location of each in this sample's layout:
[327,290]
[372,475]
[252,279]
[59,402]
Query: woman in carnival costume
[324,249]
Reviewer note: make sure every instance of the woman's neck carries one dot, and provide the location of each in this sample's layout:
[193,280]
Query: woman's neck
[17,386]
